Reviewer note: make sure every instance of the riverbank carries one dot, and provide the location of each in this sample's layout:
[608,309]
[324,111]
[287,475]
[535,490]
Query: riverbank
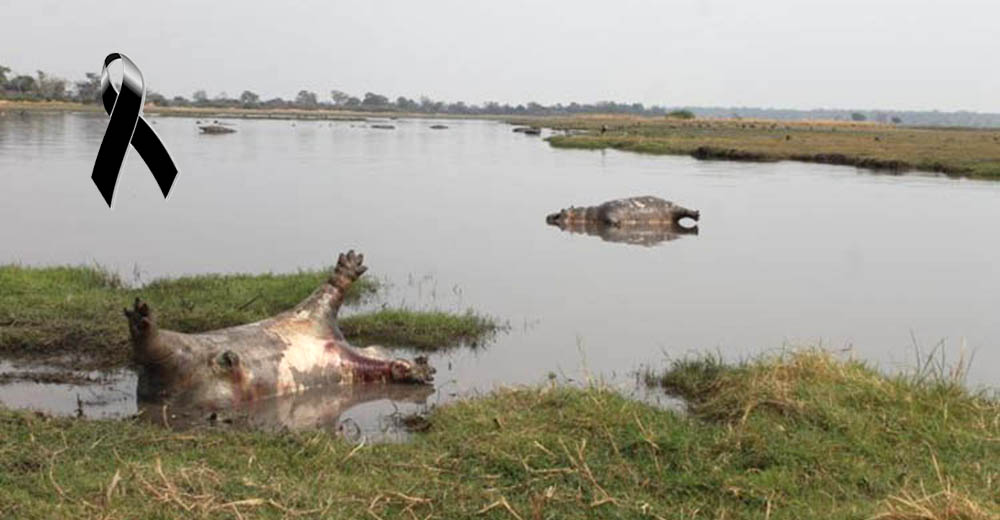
[796,436]
[13,107]
[961,152]
[964,152]
[72,316]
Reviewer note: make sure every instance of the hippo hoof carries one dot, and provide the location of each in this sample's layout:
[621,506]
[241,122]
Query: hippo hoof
[420,371]
[349,267]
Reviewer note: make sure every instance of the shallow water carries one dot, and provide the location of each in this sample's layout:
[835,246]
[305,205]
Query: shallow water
[786,254]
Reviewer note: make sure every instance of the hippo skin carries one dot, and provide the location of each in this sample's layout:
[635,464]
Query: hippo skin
[291,352]
[642,220]
[625,212]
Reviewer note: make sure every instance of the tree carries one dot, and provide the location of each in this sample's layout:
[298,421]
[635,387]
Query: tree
[896,120]
[352,102]
[22,84]
[156,98]
[249,99]
[681,114]
[406,104]
[50,87]
[372,100]
[858,116]
[430,106]
[3,76]
[200,97]
[89,90]
[306,99]
[339,97]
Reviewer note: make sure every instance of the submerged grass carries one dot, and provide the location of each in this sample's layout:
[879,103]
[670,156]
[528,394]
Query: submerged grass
[953,151]
[74,314]
[799,436]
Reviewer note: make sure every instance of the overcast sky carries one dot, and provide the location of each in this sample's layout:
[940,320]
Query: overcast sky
[871,54]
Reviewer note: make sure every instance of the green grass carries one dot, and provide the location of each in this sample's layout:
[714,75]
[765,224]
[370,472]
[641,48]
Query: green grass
[953,151]
[423,330]
[798,436]
[74,314]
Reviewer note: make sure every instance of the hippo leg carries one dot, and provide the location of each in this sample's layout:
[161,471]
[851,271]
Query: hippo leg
[323,305]
[366,367]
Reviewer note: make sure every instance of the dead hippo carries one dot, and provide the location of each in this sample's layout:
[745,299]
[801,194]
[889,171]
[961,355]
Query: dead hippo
[633,211]
[291,352]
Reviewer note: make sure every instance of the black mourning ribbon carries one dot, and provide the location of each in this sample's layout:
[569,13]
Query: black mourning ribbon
[127,126]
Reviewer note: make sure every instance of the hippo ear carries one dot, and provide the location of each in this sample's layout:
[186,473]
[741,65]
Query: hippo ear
[228,360]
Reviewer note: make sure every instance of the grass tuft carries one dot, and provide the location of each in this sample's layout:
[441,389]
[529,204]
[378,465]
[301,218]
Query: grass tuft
[423,330]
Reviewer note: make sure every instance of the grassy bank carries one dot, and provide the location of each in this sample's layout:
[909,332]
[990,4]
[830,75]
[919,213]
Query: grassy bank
[959,152]
[802,436]
[74,314]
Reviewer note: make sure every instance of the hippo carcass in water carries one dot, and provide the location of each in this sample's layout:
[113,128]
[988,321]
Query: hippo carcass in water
[291,352]
[642,220]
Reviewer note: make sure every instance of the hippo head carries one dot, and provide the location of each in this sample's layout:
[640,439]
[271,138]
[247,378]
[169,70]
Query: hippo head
[171,370]
[556,219]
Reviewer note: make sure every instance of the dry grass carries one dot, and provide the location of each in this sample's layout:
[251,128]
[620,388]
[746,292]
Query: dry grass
[945,504]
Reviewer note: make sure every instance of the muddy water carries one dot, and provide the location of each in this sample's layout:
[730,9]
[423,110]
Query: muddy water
[786,254]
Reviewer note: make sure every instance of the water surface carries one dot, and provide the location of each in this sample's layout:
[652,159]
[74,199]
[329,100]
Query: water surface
[786,254]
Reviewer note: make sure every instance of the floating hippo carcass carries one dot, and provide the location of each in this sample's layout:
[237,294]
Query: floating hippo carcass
[291,352]
[643,220]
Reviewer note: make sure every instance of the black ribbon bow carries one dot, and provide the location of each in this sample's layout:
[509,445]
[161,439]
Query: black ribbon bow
[128,126]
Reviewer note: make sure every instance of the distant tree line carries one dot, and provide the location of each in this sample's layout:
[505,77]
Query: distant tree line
[43,86]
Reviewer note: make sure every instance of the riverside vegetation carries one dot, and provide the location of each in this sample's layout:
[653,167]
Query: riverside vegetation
[954,151]
[73,315]
[798,435]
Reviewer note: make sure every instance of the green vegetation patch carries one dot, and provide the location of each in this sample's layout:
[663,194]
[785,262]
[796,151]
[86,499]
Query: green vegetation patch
[424,330]
[954,151]
[800,436]
[74,314]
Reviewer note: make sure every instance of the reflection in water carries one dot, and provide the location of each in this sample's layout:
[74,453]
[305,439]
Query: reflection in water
[639,235]
[319,408]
